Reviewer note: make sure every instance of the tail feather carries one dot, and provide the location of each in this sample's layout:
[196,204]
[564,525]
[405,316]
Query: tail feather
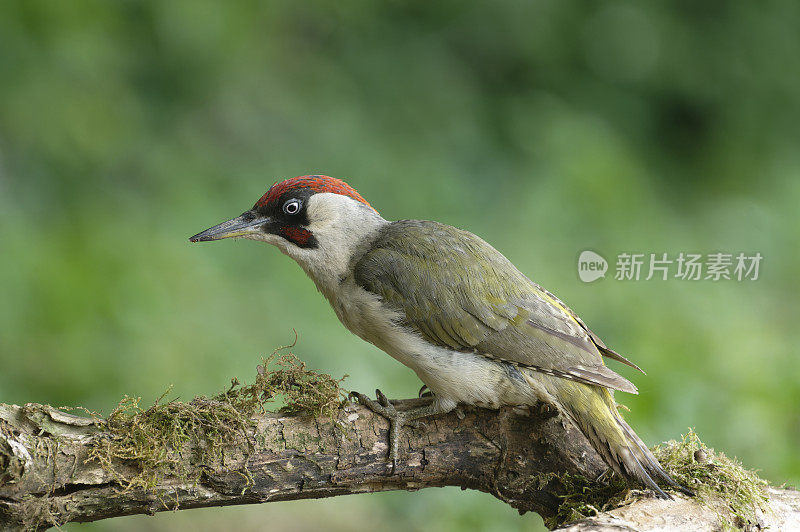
[653,466]
[594,411]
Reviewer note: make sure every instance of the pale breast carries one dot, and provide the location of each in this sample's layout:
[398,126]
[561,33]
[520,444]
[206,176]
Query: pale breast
[460,377]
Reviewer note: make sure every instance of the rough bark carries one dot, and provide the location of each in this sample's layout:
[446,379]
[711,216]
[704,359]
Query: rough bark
[684,513]
[46,480]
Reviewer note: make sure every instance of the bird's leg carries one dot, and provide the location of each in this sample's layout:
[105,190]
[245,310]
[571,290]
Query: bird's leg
[397,418]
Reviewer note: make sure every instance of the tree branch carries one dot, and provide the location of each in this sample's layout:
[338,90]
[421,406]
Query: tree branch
[48,476]
[688,514]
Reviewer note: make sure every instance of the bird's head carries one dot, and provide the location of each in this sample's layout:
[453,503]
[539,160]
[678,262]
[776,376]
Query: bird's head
[312,218]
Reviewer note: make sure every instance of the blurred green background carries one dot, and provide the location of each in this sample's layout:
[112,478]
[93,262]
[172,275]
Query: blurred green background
[546,127]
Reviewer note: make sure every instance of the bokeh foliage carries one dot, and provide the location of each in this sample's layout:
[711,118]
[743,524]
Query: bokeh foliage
[547,127]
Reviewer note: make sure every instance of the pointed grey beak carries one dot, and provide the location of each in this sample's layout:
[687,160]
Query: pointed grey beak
[246,224]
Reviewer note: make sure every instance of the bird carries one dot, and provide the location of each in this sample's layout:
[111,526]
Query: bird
[448,305]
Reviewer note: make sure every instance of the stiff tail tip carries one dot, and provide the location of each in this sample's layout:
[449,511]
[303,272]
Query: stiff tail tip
[594,411]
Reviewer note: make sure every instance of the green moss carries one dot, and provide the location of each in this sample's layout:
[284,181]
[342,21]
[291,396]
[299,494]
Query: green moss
[584,498]
[155,439]
[297,388]
[714,477]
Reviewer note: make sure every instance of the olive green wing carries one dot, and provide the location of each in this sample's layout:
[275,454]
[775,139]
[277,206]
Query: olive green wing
[599,344]
[457,291]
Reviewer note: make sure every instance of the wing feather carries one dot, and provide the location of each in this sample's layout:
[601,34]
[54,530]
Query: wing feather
[457,291]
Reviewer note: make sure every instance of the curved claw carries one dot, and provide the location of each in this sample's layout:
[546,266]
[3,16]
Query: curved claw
[424,391]
[384,402]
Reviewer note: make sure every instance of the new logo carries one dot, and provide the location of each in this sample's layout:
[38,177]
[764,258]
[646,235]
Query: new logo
[591,266]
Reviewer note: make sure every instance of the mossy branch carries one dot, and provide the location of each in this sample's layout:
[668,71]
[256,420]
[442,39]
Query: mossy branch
[57,467]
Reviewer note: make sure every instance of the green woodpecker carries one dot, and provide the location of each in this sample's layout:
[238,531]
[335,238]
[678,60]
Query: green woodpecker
[452,308]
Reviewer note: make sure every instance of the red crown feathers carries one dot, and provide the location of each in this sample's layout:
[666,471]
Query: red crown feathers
[317,183]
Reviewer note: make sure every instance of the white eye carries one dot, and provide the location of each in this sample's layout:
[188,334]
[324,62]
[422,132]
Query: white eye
[292,206]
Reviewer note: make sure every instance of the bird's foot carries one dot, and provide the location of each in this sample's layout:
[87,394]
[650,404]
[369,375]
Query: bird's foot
[396,419]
